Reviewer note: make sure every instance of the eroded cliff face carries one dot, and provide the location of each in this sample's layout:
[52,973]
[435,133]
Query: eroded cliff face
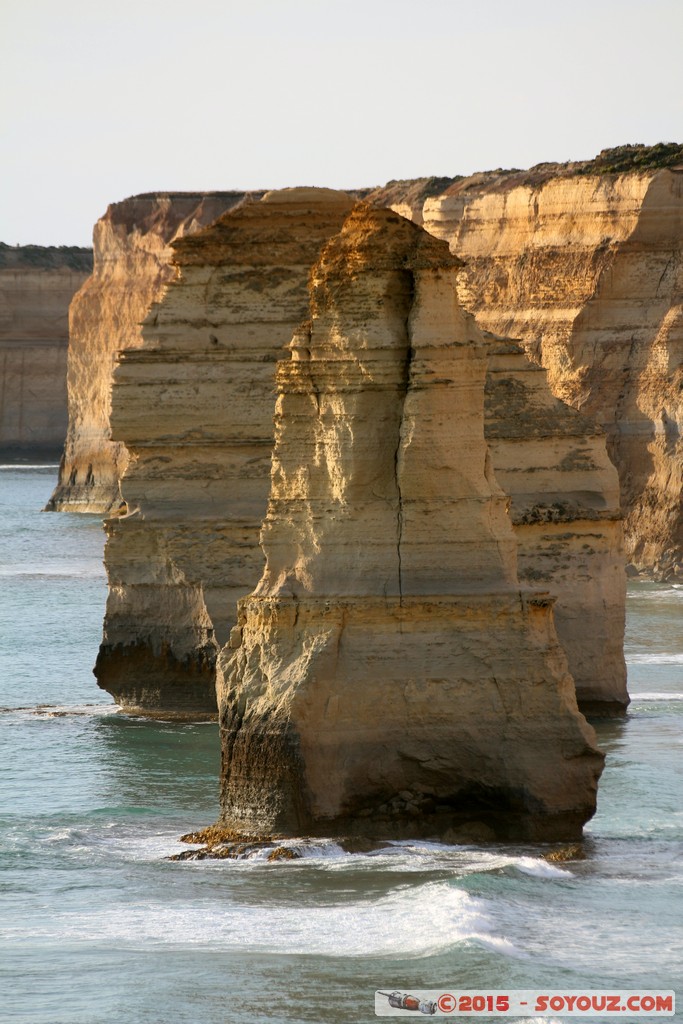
[132,266]
[586,271]
[387,676]
[565,510]
[36,286]
[193,407]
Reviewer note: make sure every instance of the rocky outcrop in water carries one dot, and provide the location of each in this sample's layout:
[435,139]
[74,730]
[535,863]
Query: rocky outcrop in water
[37,284]
[132,266]
[193,408]
[583,264]
[389,676]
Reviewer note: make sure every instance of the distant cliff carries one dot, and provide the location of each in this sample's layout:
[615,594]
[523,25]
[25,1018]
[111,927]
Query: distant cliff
[37,284]
[131,269]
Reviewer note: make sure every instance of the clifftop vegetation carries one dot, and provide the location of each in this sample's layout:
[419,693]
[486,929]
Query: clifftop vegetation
[622,159]
[46,257]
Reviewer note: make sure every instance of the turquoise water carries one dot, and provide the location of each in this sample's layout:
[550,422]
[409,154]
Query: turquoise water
[97,927]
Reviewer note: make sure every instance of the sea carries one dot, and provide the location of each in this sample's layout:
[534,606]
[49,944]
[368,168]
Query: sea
[98,926]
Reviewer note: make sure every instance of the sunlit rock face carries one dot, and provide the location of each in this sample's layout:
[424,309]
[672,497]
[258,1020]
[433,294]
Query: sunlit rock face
[193,408]
[564,506]
[132,252]
[196,487]
[37,284]
[388,676]
[586,271]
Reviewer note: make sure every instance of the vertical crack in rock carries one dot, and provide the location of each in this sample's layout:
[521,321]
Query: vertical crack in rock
[400,435]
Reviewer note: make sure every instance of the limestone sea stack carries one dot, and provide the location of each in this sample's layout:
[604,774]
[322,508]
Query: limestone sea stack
[132,266]
[192,406]
[583,265]
[388,677]
[37,284]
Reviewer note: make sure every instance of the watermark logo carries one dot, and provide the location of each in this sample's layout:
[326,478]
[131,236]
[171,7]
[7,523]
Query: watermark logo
[521,1003]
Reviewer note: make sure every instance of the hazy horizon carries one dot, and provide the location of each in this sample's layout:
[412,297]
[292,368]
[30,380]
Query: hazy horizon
[102,103]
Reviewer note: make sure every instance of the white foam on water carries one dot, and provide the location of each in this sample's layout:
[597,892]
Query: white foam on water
[24,466]
[539,868]
[540,1020]
[666,593]
[409,922]
[63,710]
[469,860]
[655,696]
[659,658]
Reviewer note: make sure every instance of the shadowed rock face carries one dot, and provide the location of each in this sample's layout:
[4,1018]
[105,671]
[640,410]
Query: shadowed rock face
[388,677]
[132,250]
[587,272]
[193,408]
[564,506]
[37,284]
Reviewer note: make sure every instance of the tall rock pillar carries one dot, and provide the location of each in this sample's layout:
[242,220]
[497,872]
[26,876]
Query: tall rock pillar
[388,677]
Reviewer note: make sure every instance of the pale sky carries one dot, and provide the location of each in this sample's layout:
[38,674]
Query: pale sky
[102,100]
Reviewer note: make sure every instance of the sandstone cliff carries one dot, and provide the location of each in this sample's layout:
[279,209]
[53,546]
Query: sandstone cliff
[585,268]
[565,509]
[132,254]
[193,407]
[580,261]
[390,678]
[36,286]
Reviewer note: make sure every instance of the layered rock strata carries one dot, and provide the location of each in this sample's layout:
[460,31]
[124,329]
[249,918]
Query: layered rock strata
[132,266]
[580,261]
[389,676]
[586,270]
[193,408]
[37,284]
[565,509]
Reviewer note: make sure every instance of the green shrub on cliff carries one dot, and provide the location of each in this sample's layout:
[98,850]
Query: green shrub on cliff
[622,159]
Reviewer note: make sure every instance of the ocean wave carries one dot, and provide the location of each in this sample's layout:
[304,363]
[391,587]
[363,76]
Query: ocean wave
[539,868]
[8,466]
[411,922]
